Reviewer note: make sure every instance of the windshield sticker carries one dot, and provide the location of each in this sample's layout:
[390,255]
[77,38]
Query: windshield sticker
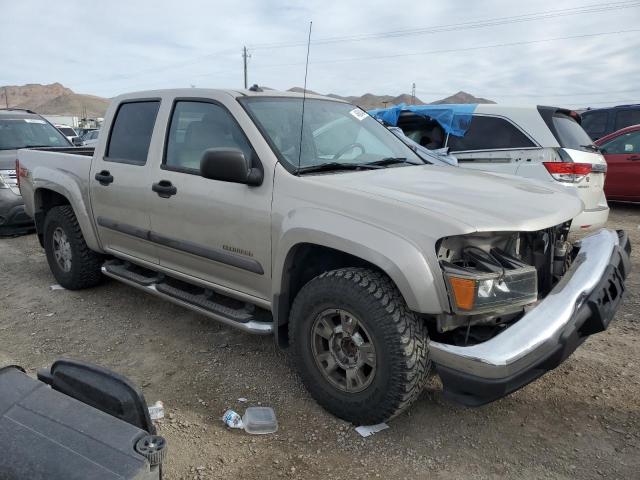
[34,120]
[628,147]
[359,114]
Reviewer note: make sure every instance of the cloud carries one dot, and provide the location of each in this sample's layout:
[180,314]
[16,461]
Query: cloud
[106,48]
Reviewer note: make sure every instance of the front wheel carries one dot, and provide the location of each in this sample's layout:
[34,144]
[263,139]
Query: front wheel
[360,351]
[72,263]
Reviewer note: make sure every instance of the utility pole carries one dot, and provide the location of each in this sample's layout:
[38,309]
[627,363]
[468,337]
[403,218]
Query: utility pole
[245,56]
[413,93]
[6,97]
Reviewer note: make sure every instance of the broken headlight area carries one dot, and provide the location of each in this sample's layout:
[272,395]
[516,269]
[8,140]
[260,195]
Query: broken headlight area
[483,282]
[491,278]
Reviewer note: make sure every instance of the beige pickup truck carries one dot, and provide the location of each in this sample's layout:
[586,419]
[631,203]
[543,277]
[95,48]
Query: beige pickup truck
[307,219]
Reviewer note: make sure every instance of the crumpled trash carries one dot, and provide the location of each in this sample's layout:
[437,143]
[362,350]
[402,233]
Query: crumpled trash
[156,411]
[367,430]
[56,287]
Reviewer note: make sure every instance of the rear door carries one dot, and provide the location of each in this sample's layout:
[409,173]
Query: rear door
[492,143]
[623,157]
[119,182]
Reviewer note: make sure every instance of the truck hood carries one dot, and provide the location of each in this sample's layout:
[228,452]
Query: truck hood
[483,201]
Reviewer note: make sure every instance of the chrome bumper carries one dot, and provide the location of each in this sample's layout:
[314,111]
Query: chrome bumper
[582,303]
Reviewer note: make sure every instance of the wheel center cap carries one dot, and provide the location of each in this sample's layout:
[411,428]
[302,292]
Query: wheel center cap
[344,350]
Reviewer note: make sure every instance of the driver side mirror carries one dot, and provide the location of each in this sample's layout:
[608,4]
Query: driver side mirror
[229,165]
[77,142]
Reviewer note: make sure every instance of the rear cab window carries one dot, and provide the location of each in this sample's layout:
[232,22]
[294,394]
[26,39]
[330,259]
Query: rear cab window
[490,133]
[131,132]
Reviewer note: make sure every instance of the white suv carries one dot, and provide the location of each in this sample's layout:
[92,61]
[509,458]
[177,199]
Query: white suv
[545,143]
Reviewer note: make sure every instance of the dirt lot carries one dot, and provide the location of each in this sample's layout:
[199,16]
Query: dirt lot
[580,421]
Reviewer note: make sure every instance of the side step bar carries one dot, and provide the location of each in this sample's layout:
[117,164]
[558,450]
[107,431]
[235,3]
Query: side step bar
[248,318]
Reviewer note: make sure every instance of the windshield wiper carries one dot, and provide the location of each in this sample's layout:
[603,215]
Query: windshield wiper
[391,161]
[326,167]
[593,147]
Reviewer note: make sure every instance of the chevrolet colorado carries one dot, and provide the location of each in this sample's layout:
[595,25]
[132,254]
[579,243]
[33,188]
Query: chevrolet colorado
[305,218]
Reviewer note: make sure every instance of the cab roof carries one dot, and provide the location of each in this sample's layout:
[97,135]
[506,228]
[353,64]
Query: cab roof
[235,93]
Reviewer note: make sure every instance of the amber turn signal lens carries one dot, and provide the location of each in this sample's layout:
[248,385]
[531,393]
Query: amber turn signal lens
[464,292]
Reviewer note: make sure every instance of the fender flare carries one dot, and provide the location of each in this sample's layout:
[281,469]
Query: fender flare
[402,260]
[63,185]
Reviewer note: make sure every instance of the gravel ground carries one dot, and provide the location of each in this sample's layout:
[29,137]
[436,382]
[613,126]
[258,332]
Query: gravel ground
[580,421]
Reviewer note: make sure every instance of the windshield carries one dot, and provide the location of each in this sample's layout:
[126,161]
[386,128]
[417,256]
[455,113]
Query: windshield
[18,133]
[331,132]
[569,132]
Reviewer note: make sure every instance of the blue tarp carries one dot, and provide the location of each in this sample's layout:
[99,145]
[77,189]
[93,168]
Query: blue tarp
[453,118]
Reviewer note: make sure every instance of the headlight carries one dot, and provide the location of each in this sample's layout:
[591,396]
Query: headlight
[490,283]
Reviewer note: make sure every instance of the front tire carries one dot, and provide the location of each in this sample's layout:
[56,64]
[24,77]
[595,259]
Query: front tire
[361,353]
[73,264]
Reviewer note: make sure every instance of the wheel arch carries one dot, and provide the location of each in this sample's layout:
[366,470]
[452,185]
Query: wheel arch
[47,197]
[401,261]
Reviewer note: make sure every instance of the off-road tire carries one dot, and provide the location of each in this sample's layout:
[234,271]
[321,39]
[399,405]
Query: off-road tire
[85,263]
[400,340]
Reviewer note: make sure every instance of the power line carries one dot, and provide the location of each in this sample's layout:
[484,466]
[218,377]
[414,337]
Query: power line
[615,102]
[496,94]
[435,29]
[593,8]
[454,50]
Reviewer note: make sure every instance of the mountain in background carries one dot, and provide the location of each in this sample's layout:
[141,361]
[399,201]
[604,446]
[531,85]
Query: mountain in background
[369,101]
[56,99]
[53,99]
[462,97]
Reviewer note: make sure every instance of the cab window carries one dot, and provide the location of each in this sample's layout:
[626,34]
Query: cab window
[196,127]
[131,132]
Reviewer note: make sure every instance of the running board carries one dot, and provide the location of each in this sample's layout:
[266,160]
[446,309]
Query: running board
[248,318]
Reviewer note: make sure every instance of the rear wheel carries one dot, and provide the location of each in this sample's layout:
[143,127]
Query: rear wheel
[73,264]
[360,351]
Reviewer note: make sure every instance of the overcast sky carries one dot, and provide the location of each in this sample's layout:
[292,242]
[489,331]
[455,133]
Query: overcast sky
[110,47]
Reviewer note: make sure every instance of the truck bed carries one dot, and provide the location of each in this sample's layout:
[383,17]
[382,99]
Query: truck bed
[64,171]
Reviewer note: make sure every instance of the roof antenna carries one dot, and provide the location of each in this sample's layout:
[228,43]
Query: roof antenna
[304,93]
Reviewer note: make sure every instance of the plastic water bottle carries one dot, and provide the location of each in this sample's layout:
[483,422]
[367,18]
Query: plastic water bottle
[232,419]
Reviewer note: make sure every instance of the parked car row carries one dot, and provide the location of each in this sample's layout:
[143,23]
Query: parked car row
[604,121]
[305,218]
[20,129]
[543,143]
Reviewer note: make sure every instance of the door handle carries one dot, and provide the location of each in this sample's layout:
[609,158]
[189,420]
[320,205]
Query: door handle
[164,188]
[104,177]
[634,157]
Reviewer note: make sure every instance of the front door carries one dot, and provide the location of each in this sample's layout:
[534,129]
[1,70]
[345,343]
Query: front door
[120,197]
[623,167]
[215,231]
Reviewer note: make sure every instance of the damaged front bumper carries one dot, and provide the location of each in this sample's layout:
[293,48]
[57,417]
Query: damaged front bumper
[583,303]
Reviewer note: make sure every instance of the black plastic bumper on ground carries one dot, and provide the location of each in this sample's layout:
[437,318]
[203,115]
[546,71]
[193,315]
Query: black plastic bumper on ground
[593,316]
[13,218]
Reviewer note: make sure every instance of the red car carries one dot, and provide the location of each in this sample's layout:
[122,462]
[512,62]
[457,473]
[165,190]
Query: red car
[621,149]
